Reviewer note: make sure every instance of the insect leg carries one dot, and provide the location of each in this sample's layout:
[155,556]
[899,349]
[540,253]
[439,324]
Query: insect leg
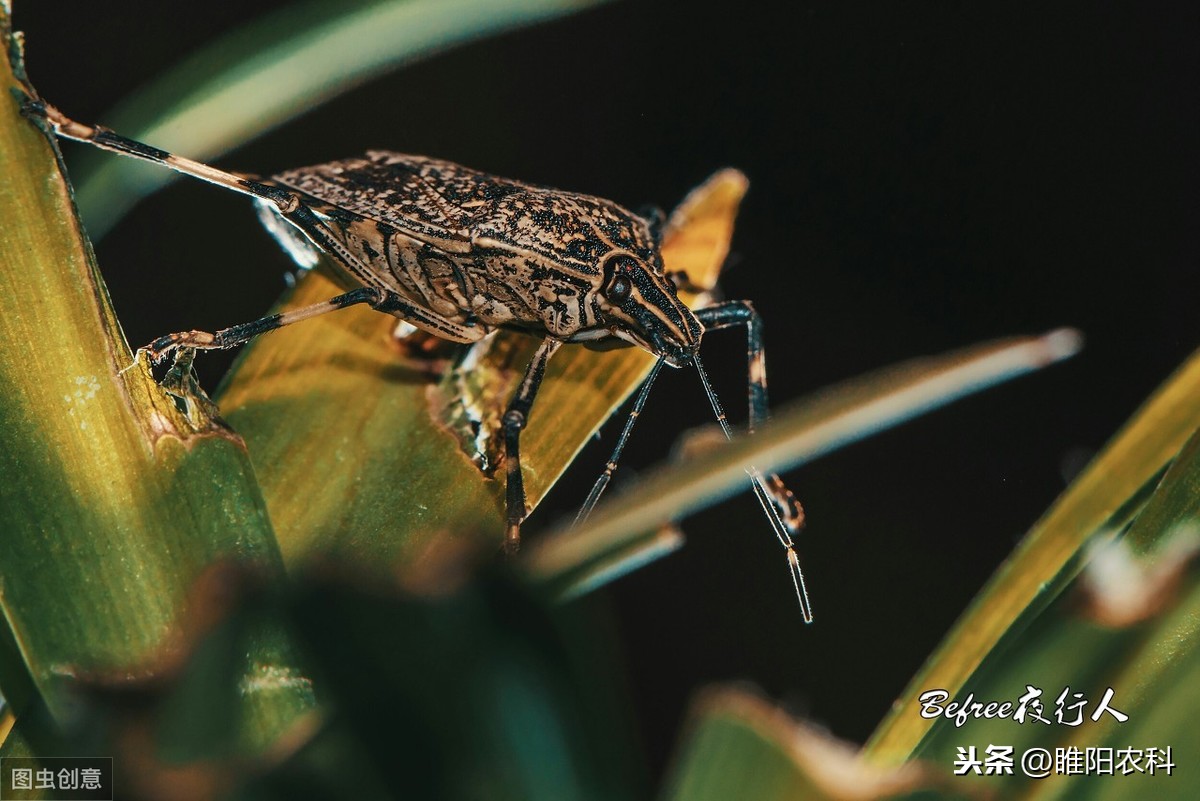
[290,207]
[611,467]
[237,334]
[781,506]
[515,419]
[105,139]
[742,312]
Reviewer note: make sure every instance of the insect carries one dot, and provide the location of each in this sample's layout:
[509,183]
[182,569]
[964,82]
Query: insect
[459,254]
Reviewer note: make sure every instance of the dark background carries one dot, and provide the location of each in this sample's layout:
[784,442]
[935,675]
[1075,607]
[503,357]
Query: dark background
[923,176]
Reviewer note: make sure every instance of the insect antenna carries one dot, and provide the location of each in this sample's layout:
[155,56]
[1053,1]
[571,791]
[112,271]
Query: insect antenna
[611,467]
[781,529]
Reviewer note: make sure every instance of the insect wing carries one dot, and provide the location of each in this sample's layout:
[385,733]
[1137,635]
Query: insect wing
[427,199]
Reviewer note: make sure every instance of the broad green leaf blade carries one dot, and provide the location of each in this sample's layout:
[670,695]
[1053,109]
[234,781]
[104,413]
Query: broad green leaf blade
[266,73]
[1102,500]
[350,440]
[113,501]
[799,433]
[739,746]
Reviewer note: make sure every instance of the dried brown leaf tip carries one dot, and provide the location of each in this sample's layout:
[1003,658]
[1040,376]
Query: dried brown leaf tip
[1120,588]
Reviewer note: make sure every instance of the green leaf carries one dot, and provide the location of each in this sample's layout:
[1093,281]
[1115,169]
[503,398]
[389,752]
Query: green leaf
[113,501]
[1124,621]
[471,690]
[1101,502]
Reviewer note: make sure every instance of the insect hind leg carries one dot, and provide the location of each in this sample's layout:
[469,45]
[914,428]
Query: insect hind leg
[106,139]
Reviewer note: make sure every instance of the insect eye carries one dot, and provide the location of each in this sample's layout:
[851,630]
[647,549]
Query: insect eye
[619,288]
[619,285]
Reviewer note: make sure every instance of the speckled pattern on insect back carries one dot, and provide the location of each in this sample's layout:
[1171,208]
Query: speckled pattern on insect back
[472,246]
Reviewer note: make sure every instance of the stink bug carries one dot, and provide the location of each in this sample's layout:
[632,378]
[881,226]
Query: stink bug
[459,254]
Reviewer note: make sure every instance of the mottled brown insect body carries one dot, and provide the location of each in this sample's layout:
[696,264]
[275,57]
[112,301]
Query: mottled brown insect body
[480,252]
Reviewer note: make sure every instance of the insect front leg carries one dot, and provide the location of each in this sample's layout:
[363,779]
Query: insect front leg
[788,514]
[611,466]
[516,417]
[742,312]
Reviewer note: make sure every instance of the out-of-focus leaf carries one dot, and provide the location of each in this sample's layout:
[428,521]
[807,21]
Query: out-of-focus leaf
[12,743]
[476,691]
[1110,493]
[268,72]
[1122,621]
[738,746]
